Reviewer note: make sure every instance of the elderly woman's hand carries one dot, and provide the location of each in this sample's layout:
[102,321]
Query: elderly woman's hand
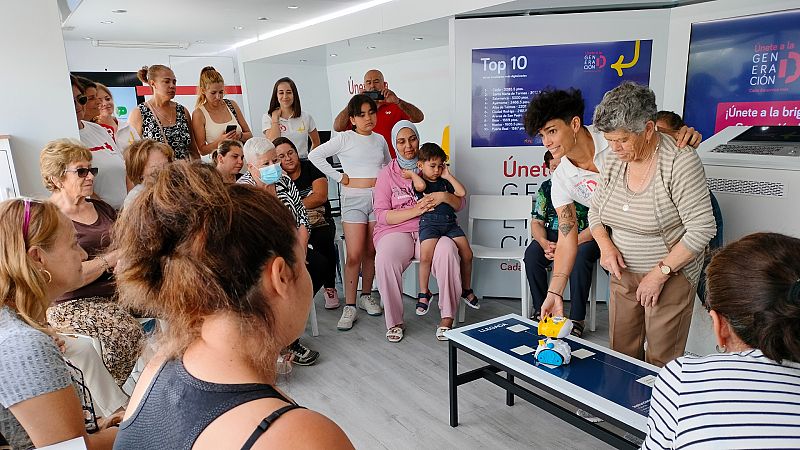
[650,288]
[611,260]
[688,136]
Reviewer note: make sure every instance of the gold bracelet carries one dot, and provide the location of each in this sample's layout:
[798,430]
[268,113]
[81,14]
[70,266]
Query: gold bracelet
[560,275]
[105,263]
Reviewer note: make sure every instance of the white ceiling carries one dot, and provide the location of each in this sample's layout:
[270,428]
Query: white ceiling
[210,21]
[433,33]
[214,22]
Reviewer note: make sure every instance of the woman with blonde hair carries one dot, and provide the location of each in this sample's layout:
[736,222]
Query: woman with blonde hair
[143,159]
[122,133]
[214,114]
[90,307]
[228,292]
[39,261]
[160,118]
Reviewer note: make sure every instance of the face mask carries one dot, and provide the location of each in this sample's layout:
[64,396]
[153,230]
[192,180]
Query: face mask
[270,174]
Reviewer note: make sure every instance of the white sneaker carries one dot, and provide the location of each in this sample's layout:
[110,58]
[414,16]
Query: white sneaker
[370,304]
[349,316]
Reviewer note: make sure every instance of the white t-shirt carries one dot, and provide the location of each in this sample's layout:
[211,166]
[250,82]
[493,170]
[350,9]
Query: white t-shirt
[573,184]
[109,184]
[295,128]
[361,156]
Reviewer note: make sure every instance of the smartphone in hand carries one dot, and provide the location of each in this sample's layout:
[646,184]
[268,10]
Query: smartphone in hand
[230,128]
[375,95]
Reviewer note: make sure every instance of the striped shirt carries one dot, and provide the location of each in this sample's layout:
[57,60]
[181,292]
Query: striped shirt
[288,195]
[730,400]
[674,208]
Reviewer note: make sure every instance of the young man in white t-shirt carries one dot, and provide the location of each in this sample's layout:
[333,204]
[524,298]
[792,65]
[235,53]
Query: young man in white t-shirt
[557,115]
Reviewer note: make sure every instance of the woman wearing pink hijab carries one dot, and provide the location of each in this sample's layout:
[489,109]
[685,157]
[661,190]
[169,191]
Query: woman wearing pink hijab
[396,236]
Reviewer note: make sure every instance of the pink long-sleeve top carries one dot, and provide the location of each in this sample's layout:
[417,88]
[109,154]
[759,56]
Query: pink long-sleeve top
[392,192]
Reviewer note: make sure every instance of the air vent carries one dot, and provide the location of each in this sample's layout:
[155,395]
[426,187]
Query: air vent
[747,187]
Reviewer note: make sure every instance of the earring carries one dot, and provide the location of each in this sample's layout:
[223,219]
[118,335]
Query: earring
[49,276]
[722,349]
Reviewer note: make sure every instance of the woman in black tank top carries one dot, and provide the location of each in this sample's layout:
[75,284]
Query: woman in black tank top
[228,292]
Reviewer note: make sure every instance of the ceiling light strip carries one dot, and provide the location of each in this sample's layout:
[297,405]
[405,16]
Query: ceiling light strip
[313,21]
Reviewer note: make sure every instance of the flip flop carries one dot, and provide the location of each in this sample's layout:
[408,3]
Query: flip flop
[440,333]
[422,308]
[577,328]
[473,303]
[394,334]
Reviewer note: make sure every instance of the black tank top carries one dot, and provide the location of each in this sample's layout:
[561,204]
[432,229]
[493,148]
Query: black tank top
[177,407]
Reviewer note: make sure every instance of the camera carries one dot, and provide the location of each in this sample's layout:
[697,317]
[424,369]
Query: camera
[375,95]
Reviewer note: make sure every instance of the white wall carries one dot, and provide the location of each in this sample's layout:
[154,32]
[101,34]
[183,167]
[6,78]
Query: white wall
[36,97]
[419,77]
[83,57]
[312,85]
[482,169]
[681,20]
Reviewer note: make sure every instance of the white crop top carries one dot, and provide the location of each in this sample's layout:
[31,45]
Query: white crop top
[361,156]
[213,129]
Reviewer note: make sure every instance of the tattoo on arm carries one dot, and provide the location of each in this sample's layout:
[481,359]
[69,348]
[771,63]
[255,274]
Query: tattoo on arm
[566,219]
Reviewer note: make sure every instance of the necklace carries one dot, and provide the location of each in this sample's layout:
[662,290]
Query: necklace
[627,205]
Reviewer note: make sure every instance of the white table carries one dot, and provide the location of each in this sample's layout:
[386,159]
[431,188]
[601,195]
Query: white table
[608,384]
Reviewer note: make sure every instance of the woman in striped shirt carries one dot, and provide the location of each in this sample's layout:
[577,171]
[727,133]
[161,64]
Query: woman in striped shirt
[750,397]
[651,217]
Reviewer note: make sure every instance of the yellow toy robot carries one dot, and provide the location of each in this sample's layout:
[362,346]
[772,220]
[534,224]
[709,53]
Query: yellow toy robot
[552,350]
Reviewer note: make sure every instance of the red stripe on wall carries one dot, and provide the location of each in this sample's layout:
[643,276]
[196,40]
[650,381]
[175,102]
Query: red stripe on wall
[186,90]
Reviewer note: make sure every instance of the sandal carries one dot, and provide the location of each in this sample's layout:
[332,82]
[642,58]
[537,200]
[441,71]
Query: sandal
[440,333]
[394,334]
[577,328]
[422,308]
[473,302]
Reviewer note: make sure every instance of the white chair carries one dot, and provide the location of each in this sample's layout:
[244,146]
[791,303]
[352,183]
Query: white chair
[500,207]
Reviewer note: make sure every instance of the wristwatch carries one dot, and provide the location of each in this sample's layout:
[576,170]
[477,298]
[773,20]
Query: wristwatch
[665,269]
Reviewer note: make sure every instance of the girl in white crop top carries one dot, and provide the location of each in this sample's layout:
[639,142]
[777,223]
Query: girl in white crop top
[362,154]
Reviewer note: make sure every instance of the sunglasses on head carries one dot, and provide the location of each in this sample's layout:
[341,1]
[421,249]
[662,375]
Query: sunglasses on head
[83,172]
[81,99]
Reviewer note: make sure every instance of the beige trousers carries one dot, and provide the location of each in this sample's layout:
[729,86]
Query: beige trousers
[665,326]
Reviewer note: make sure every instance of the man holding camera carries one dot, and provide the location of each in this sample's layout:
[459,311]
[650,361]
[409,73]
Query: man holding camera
[390,108]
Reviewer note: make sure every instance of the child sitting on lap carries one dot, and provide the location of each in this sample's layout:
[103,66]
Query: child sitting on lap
[434,176]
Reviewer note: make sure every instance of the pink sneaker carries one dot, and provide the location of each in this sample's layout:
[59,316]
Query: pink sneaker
[331,298]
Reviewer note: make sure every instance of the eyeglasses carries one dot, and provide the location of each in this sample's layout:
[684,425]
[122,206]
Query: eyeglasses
[83,172]
[81,99]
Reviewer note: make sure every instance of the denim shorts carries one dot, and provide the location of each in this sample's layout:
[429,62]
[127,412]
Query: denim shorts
[434,226]
[357,205]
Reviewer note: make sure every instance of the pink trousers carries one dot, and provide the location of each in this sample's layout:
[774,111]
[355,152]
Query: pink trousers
[394,253]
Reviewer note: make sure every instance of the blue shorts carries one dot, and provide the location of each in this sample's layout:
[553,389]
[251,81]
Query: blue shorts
[434,226]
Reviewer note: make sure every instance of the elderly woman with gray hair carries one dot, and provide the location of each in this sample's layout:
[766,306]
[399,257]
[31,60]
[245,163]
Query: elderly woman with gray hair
[651,217]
